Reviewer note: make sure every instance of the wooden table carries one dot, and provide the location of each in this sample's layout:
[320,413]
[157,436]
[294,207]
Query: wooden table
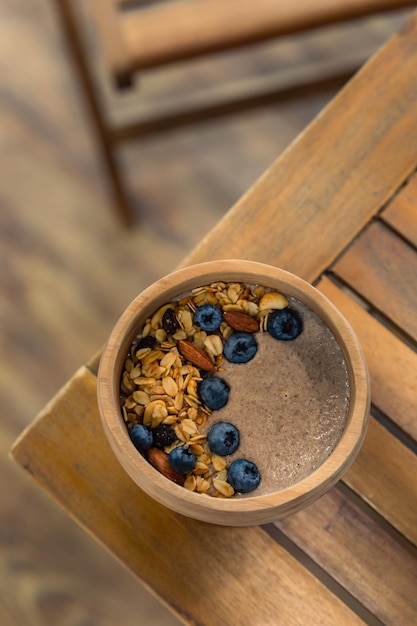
[339,208]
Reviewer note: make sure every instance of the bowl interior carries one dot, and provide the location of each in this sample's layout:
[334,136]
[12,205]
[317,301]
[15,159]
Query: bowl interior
[251,508]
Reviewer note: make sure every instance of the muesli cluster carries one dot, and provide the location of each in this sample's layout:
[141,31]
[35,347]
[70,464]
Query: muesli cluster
[171,382]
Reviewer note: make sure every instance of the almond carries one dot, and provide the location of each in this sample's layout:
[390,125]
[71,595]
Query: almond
[241,321]
[195,355]
[159,460]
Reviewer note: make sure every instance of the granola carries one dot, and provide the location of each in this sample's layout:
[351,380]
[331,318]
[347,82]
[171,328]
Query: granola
[169,358]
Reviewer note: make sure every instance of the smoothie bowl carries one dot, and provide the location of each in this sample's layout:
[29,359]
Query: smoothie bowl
[233,392]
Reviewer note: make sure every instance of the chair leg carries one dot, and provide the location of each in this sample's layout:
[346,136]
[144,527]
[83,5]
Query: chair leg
[71,32]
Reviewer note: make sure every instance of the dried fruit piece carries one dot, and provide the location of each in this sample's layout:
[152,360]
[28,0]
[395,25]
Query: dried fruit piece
[146,342]
[195,355]
[156,320]
[160,461]
[241,321]
[169,322]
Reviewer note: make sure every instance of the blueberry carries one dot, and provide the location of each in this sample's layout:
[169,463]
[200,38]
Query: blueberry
[240,348]
[181,460]
[141,437]
[208,317]
[284,324]
[243,475]
[223,438]
[214,392]
[163,435]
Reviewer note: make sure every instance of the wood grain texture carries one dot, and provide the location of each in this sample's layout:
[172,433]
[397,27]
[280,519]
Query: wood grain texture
[220,24]
[401,213]
[383,269]
[296,205]
[384,470]
[173,555]
[392,364]
[384,476]
[376,569]
[113,46]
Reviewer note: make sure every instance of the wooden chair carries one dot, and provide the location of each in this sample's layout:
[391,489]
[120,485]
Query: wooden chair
[136,36]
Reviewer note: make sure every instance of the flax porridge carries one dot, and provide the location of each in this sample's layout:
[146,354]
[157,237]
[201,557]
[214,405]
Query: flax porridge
[235,389]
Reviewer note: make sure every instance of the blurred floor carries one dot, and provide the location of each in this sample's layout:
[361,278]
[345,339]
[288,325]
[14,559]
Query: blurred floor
[68,268]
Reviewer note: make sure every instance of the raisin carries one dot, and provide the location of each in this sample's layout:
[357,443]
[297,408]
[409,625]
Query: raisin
[146,342]
[169,322]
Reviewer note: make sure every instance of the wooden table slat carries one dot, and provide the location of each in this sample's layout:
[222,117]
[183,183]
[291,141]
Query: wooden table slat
[392,364]
[401,213]
[335,532]
[202,571]
[297,216]
[382,267]
[384,475]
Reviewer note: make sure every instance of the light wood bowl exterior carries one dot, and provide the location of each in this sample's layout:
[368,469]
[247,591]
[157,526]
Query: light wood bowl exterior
[251,509]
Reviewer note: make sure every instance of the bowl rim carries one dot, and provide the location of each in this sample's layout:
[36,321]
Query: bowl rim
[251,508]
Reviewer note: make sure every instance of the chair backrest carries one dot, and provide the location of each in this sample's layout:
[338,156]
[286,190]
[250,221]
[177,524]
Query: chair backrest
[138,35]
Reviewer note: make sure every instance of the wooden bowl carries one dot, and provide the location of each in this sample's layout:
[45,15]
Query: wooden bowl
[252,508]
